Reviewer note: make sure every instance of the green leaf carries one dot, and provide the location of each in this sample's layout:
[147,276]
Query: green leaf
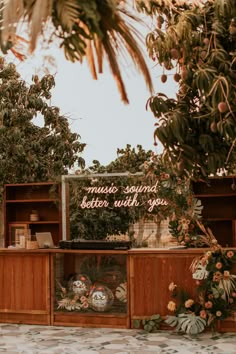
[136,323]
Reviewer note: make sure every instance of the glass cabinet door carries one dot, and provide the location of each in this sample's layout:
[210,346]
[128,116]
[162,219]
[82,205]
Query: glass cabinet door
[88,283]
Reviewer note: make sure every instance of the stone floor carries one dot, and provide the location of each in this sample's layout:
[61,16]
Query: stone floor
[68,340]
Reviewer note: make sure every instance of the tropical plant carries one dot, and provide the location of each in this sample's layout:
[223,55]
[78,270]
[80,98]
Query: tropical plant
[196,42]
[84,28]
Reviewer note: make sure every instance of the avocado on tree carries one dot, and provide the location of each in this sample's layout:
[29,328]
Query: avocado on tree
[195,42]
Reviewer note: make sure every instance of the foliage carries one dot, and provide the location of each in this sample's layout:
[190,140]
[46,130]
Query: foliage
[215,292]
[88,223]
[92,29]
[196,42]
[150,325]
[30,152]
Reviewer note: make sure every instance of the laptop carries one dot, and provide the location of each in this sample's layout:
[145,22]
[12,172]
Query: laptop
[44,239]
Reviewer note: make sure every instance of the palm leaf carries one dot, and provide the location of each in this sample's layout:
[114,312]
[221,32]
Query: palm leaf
[40,13]
[67,13]
[11,13]
[228,286]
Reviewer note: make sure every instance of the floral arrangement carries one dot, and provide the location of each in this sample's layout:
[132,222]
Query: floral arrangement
[216,291]
[186,231]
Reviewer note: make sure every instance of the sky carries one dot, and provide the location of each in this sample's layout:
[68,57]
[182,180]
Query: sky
[94,107]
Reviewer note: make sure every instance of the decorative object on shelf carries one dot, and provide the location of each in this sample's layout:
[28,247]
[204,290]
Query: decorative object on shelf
[32,245]
[16,230]
[80,284]
[101,298]
[121,292]
[216,291]
[34,216]
[67,299]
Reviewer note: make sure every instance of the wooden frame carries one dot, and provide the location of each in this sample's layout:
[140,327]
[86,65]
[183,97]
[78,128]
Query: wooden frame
[13,230]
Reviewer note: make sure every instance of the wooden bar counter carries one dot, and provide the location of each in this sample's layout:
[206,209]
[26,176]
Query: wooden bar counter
[27,279]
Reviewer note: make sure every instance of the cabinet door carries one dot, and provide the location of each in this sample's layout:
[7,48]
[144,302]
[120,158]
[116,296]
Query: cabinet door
[150,276]
[90,289]
[25,288]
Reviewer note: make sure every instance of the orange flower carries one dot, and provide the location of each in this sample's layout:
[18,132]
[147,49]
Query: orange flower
[203,314]
[208,305]
[188,303]
[230,254]
[172,286]
[219,265]
[171,306]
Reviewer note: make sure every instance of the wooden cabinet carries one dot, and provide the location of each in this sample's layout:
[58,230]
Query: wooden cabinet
[90,288]
[23,200]
[25,287]
[151,272]
[218,198]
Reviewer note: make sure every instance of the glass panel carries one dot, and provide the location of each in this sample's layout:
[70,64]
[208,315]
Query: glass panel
[90,283]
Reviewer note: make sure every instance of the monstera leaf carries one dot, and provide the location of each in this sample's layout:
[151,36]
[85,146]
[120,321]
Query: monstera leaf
[187,323]
[190,324]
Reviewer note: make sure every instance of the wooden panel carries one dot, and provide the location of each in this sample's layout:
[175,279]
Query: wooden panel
[150,276]
[25,287]
[24,318]
[91,320]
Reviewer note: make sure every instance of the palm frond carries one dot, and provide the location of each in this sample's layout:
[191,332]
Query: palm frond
[228,286]
[112,59]
[99,53]
[11,12]
[90,59]
[41,12]
[135,53]
[67,13]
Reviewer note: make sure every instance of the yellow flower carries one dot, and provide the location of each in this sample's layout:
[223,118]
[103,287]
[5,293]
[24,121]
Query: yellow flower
[171,306]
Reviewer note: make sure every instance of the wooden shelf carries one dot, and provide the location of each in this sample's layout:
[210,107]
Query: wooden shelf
[21,199]
[35,222]
[219,207]
[32,201]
